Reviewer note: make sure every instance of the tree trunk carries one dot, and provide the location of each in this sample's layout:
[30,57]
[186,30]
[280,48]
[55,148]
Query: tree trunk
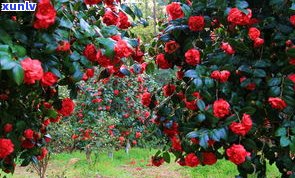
[155,16]
[128,146]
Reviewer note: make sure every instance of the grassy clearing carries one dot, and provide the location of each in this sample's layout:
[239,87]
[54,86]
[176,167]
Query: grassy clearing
[136,164]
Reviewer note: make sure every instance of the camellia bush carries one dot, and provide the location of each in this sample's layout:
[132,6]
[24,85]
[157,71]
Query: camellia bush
[51,47]
[109,114]
[233,94]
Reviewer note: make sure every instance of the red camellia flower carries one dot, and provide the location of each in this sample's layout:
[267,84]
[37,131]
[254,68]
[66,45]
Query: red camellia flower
[227,48]
[221,76]
[174,11]
[137,135]
[238,17]
[33,70]
[67,107]
[168,90]
[146,99]
[191,160]
[215,75]
[110,18]
[192,105]
[6,147]
[176,144]
[221,108]
[90,52]
[237,154]
[29,134]
[292,78]
[157,161]
[116,92]
[258,42]
[250,86]
[45,15]
[196,23]
[224,75]
[192,57]
[122,49]
[28,144]
[243,127]
[123,21]
[48,79]
[8,128]
[172,131]
[171,47]
[89,72]
[292,20]
[277,103]
[92,2]
[209,158]
[253,33]
[179,75]
[162,62]
[63,46]
[44,152]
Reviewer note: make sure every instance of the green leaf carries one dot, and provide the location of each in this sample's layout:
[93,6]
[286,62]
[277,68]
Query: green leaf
[201,117]
[18,74]
[259,73]
[292,144]
[241,4]
[191,74]
[127,9]
[284,141]
[108,31]
[19,50]
[292,6]
[108,45]
[201,105]
[137,11]
[198,83]
[166,157]
[274,82]
[274,91]
[248,110]
[193,134]
[291,52]
[75,56]
[4,37]
[150,68]
[249,144]
[262,64]
[64,22]
[281,132]
[209,83]
[204,140]
[6,62]
[51,113]
[4,48]
[186,9]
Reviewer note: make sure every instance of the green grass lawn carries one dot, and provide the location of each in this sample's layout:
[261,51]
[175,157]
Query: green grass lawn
[136,164]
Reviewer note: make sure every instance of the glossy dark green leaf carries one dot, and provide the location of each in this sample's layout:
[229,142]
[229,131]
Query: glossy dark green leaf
[281,132]
[201,105]
[166,157]
[284,141]
[18,74]
[191,74]
[64,22]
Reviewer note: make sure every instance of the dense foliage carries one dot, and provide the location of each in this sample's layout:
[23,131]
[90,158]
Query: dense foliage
[54,46]
[233,96]
[109,114]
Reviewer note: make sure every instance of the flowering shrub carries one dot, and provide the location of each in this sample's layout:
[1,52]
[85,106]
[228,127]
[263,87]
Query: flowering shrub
[54,46]
[233,94]
[109,114]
